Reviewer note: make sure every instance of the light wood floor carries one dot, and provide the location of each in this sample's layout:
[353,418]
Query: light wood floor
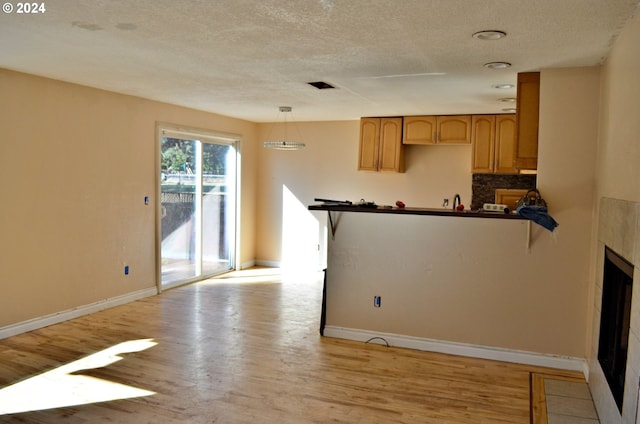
[241,350]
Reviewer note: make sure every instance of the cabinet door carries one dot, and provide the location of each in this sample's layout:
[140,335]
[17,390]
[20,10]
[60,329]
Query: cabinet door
[505,145]
[419,130]
[454,129]
[483,134]
[509,196]
[369,141]
[391,155]
[527,116]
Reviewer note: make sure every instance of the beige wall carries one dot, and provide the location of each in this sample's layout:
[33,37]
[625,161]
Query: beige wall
[455,279]
[618,166]
[618,182]
[544,311]
[327,168]
[567,156]
[75,165]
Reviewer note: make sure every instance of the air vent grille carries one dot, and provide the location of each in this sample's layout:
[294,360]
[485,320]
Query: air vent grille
[321,85]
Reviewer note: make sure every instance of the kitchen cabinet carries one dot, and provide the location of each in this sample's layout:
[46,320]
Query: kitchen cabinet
[493,144]
[381,145]
[527,117]
[483,146]
[509,196]
[419,130]
[437,129]
[454,129]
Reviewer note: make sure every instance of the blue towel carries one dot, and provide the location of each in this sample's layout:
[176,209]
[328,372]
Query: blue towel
[539,215]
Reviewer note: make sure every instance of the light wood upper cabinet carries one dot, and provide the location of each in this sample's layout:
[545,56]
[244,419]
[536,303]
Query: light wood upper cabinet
[381,145]
[442,129]
[527,117]
[483,127]
[455,129]
[369,144]
[505,150]
[493,144]
[419,130]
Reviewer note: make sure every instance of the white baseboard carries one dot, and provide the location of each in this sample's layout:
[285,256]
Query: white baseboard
[248,264]
[45,321]
[270,264]
[278,264]
[461,349]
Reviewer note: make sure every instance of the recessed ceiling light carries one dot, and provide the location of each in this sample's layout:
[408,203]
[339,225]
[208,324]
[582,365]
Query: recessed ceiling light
[503,86]
[497,65]
[509,109]
[507,99]
[491,34]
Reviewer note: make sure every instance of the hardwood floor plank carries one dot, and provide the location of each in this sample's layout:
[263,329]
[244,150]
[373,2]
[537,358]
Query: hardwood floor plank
[231,351]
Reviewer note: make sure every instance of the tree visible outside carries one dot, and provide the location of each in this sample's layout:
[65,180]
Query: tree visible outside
[194,207]
[178,156]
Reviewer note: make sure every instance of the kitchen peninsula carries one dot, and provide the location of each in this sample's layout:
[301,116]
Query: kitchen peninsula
[430,279]
[413,211]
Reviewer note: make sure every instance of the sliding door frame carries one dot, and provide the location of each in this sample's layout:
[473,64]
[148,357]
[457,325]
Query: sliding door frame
[162,129]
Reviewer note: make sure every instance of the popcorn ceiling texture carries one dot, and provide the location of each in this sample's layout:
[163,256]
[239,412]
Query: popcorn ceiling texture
[245,58]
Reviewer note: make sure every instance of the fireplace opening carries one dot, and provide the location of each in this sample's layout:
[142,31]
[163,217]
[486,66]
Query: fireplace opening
[615,320]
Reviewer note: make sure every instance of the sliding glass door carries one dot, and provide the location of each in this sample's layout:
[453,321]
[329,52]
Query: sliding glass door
[198,206]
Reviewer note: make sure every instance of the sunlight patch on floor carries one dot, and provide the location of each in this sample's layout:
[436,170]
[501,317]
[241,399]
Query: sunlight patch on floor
[66,386]
[260,275]
[251,275]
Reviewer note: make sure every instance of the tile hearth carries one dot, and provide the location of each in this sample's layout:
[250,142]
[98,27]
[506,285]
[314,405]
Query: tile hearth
[569,402]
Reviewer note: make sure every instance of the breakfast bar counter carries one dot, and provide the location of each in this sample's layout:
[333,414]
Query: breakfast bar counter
[427,278]
[414,211]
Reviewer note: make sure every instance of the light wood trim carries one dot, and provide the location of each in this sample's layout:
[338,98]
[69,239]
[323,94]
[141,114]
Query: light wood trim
[538,394]
[538,400]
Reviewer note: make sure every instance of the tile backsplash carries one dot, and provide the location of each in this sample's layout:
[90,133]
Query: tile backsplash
[483,186]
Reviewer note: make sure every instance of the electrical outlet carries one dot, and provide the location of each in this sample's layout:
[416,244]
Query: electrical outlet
[377,301]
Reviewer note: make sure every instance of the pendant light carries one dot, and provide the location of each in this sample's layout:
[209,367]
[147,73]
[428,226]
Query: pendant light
[284,143]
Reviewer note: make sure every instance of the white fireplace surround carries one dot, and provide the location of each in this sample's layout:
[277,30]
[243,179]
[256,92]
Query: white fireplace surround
[619,229]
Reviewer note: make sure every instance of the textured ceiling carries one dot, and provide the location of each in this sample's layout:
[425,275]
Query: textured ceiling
[244,58]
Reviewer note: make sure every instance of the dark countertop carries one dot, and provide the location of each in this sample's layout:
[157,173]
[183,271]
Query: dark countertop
[414,211]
